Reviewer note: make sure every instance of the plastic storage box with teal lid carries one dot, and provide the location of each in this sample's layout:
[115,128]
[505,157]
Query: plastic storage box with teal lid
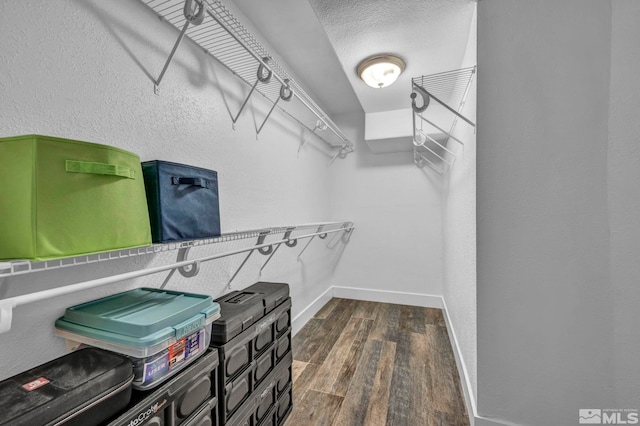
[161,331]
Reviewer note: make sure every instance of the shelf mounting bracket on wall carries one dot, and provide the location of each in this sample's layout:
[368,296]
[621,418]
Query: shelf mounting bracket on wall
[344,237]
[285,94]
[288,241]
[190,271]
[319,234]
[261,248]
[194,15]
[260,78]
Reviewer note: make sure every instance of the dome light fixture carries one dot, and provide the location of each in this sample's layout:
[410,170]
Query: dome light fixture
[380,71]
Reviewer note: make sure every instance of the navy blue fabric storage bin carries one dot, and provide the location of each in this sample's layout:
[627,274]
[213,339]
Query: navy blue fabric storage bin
[183,201]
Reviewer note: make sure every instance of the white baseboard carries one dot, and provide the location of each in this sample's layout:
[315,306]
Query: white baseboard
[483,421]
[413,299]
[467,389]
[303,317]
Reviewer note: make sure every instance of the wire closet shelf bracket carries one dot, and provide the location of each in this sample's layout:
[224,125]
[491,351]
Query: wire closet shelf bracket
[211,25]
[437,101]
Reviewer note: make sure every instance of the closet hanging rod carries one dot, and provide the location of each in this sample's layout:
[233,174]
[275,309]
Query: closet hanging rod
[7,305]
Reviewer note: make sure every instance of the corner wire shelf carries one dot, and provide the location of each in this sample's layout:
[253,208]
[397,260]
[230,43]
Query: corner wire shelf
[431,137]
[186,267]
[232,45]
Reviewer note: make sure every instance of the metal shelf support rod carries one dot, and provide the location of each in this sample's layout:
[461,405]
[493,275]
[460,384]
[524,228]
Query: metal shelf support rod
[235,274]
[422,89]
[234,119]
[269,258]
[259,129]
[156,85]
[440,172]
[192,16]
[319,232]
[436,142]
[441,129]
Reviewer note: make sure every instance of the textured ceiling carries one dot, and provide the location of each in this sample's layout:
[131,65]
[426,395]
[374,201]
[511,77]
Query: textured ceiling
[323,41]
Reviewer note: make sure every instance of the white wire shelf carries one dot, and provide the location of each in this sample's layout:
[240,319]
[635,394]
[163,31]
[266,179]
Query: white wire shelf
[187,267]
[20,267]
[435,122]
[211,25]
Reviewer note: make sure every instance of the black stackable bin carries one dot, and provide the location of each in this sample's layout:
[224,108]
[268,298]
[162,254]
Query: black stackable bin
[270,403]
[189,398]
[82,388]
[253,339]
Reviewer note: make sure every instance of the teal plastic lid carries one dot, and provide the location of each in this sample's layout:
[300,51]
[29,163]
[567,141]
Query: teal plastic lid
[141,317]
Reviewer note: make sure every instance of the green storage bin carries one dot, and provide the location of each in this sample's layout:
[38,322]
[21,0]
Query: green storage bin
[62,198]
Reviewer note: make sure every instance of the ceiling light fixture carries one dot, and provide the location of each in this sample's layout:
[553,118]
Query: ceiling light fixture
[380,71]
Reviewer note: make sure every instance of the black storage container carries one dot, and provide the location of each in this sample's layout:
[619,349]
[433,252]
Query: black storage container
[241,309]
[82,388]
[183,201]
[234,393]
[206,415]
[250,379]
[253,338]
[284,406]
[177,400]
[283,346]
[270,403]
[237,354]
[282,377]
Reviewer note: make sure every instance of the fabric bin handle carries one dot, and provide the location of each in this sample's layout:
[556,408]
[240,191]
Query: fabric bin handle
[194,181]
[73,166]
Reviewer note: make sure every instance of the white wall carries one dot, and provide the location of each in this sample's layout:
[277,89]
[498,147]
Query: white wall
[397,245]
[459,236]
[623,165]
[545,300]
[83,70]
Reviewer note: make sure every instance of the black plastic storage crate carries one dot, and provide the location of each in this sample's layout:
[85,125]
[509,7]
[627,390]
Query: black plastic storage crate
[284,405]
[82,388]
[270,403]
[238,353]
[206,415]
[253,337]
[283,345]
[179,400]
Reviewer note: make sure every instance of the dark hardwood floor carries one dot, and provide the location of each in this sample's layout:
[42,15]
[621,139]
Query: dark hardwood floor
[366,363]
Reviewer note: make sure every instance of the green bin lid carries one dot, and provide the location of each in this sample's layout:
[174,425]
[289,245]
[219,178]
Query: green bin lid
[141,317]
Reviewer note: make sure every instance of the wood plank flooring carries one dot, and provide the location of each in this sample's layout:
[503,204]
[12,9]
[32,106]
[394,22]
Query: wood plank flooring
[366,363]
